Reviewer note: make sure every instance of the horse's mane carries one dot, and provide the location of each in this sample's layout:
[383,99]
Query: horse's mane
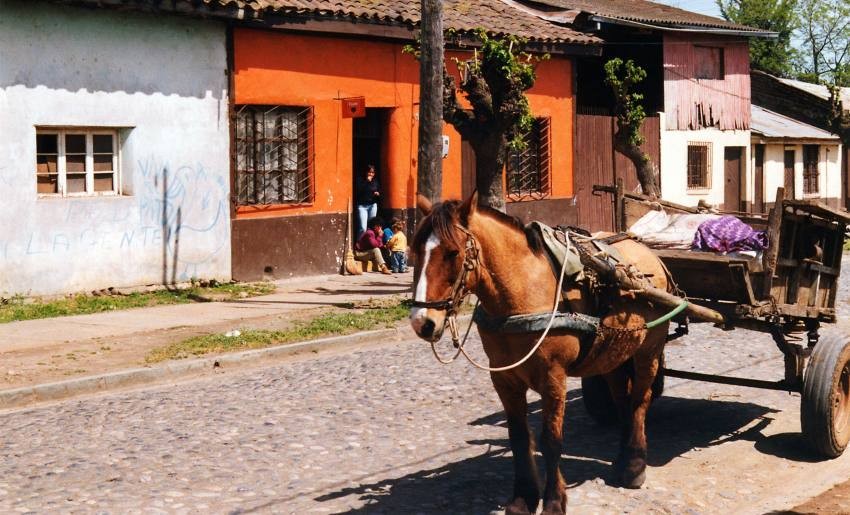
[445,215]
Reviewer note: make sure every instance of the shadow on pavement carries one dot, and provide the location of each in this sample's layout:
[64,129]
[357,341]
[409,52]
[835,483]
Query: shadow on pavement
[484,482]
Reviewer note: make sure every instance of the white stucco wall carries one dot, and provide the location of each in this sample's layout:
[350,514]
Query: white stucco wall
[674,164]
[162,81]
[829,171]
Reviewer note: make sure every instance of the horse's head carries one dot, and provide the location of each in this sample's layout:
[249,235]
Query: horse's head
[445,253]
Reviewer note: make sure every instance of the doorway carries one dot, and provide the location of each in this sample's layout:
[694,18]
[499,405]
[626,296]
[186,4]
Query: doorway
[790,159]
[369,148]
[734,191]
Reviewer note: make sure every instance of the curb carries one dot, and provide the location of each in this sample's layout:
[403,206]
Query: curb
[27,395]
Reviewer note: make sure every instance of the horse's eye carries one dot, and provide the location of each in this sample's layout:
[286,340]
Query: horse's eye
[452,254]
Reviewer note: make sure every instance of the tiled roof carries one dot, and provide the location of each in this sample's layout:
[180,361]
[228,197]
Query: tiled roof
[496,16]
[774,125]
[644,11]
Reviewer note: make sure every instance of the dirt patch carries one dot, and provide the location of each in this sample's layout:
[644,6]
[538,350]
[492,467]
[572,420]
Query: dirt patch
[835,500]
[65,360]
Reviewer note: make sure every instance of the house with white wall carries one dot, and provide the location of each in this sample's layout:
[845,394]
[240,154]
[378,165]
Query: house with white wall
[114,149]
[808,106]
[787,153]
[696,95]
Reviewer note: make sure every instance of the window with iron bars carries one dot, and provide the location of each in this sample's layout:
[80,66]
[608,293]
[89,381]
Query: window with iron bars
[810,169]
[699,165]
[274,155]
[528,176]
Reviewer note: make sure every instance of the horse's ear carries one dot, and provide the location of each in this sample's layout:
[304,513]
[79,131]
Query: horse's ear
[423,204]
[469,206]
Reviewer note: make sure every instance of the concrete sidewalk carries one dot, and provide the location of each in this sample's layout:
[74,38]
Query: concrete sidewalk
[84,347]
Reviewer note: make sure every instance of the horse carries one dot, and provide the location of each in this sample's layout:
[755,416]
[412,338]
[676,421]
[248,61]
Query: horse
[459,248]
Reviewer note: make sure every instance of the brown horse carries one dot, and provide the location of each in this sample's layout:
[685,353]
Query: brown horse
[462,247]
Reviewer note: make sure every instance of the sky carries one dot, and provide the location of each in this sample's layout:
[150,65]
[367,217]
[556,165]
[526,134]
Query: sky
[708,7]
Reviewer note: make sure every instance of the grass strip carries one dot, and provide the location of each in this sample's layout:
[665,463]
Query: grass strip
[329,324]
[18,308]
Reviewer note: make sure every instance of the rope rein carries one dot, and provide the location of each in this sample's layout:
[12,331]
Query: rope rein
[460,344]
[472,261]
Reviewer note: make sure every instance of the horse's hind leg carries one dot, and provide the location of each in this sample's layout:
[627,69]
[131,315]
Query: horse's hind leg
[554,393]
[631,462]
[526,494]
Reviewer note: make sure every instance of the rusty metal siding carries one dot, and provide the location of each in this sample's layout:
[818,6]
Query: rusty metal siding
[596,162]
[692,103]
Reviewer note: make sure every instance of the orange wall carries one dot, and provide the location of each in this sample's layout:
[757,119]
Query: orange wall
[304,70]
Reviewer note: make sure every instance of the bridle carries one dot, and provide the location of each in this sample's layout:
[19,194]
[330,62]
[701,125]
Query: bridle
[460,289]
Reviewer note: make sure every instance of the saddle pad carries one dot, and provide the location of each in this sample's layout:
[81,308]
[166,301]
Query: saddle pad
[558,250]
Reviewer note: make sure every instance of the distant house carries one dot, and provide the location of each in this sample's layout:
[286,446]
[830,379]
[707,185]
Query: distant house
[114,161]
[696,95]
[803,159]
[805,109]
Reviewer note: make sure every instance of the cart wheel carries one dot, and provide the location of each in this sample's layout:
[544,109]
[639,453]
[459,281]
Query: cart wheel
[825,408]
[597,397]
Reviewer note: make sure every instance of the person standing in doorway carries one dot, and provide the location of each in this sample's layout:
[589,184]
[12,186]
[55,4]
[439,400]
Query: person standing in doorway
[367,194]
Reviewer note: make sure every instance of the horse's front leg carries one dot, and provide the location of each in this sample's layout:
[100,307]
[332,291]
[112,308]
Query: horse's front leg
[554,394]
[526,494]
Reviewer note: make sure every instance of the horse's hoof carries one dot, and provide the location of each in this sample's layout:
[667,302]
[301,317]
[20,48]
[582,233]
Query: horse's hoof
[555,507]
[633,478]
[519,506]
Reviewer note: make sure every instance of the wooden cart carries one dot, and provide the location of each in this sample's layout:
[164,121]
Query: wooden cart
[788,292]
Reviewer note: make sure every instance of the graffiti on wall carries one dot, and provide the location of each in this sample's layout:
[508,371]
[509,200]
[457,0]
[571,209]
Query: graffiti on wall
[176,220]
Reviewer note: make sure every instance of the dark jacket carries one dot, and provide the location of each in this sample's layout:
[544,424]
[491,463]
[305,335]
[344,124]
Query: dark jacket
[364,191]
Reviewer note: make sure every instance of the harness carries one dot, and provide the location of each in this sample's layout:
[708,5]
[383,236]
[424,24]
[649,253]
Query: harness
[564,248]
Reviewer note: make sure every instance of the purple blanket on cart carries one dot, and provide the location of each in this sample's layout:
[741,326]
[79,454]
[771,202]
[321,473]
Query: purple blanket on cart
[728,234]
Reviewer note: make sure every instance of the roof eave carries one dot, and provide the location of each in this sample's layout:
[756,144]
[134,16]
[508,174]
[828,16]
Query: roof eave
[598,18]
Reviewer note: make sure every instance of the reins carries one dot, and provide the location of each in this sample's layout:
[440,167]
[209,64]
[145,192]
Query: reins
[472,262]
[460,291]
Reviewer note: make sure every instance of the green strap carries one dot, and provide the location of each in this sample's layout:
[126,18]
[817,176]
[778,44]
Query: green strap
[678,309]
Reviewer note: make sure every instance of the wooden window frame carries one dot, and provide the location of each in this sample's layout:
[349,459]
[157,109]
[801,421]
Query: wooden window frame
[811,172]
[251,166]
[61,161]
[537,166]
[706,184]
[721,65]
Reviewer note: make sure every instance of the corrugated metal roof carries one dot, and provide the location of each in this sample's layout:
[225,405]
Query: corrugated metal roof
[644,11]
[774,125]
[818,90]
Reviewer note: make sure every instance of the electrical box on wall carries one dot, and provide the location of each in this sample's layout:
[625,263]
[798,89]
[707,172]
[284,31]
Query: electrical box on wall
[445,146]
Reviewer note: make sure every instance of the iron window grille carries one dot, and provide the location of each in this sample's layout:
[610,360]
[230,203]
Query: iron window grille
[699,165]
[274,155]
[810,169]
[528,171]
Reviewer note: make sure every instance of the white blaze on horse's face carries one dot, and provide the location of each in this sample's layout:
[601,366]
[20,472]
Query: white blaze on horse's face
[418,316]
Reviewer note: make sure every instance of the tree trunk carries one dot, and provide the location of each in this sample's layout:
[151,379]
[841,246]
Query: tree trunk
[647,171]
[429,171]
[489,169]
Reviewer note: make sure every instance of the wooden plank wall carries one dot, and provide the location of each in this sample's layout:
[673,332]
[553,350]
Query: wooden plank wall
[596,162]
[692,103]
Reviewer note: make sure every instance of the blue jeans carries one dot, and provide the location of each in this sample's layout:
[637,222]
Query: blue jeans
[364,213]
[398,261]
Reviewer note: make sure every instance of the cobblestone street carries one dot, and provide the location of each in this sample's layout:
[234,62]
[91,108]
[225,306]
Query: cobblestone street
[388,430]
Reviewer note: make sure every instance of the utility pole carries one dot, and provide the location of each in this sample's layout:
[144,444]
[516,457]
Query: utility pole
[429,178]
